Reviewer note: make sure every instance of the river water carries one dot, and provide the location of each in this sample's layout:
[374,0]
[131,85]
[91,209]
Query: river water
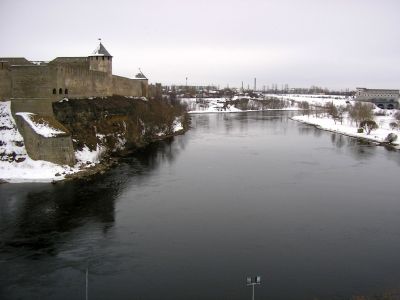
[315,214]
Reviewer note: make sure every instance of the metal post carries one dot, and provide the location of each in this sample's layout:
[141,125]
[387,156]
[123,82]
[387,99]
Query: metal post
[87,283]
[253,292]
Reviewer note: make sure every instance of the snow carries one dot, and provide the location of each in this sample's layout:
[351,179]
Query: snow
[208,105]
[318,100]
[177,125]
[349,128]
[10,137]
[213,105]
[15,164]
[43,129]
[89,157]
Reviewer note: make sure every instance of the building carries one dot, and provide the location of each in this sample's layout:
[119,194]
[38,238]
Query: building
[388,99]
[34,85]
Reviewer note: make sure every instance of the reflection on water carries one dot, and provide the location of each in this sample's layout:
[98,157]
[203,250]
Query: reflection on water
[313,212]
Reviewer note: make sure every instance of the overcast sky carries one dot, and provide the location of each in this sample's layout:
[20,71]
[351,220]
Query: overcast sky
[330,43]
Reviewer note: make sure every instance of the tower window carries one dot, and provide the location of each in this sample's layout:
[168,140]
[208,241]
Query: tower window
[108,58]
[103,57]
[54,91]
[97,58]
[66,91]
[60,91]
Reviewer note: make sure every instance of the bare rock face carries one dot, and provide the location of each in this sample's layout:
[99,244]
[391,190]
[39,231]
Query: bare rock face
[119,123]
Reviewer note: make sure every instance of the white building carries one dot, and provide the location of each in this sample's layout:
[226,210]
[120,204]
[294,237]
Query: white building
[382,98]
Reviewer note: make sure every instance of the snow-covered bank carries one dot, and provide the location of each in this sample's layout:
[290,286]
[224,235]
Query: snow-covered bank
[234,105]
[348,128]
[315,100]
[111,127]
[15,164]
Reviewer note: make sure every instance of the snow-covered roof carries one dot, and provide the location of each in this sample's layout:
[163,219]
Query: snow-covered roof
[100,51]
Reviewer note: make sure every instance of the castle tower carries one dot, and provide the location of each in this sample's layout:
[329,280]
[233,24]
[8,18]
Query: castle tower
[100,60]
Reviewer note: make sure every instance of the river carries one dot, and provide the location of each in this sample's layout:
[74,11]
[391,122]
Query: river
[315,214]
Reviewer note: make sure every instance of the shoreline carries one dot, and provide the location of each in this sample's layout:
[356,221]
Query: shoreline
[367,138]
[91,170]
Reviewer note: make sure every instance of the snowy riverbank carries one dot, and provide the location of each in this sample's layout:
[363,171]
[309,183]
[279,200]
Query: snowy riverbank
[16,166]
[236,104]
[349,128]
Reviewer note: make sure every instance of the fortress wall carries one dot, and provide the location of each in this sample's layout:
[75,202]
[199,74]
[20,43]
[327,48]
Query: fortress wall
[42,106]
[100,63]
[57,149]
[31,81]
[5,84]
[129,87]
[81,82]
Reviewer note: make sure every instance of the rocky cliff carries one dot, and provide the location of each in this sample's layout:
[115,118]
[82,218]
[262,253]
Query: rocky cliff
[119,123]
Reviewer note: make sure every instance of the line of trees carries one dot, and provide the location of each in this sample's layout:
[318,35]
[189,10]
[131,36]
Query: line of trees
[360,113]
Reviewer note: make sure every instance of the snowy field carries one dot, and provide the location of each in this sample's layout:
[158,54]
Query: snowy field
[208,105]
[316,100]
[219,105]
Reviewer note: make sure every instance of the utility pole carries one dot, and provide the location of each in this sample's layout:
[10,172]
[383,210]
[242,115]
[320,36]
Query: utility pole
[255,84]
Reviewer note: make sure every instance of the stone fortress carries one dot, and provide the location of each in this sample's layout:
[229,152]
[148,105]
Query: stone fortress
[33,87]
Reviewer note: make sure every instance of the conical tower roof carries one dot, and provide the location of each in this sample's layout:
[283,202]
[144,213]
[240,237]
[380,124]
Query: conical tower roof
[100,51]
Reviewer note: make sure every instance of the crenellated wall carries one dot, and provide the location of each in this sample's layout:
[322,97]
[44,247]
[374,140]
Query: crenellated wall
[32,86]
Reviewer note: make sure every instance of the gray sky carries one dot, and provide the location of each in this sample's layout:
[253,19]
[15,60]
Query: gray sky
[329,43]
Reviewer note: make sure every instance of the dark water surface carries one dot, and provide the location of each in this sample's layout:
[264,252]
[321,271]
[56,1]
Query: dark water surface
[314,213]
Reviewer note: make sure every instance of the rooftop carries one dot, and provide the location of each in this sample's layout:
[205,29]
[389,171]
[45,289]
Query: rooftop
[100,51]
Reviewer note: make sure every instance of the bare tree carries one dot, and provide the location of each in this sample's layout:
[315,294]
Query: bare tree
[361,112]
[332,111]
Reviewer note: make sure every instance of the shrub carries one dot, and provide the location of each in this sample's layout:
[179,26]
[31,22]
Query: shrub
[369,125]
[391,137]
[397,115]
[393,125]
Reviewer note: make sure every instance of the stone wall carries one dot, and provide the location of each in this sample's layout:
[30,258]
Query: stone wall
[5,83]
[57,149]
[31,81]
[100,63]
[41,106]
[129,87]
[82,83]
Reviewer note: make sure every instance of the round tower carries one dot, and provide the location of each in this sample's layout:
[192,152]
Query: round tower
[100,60]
